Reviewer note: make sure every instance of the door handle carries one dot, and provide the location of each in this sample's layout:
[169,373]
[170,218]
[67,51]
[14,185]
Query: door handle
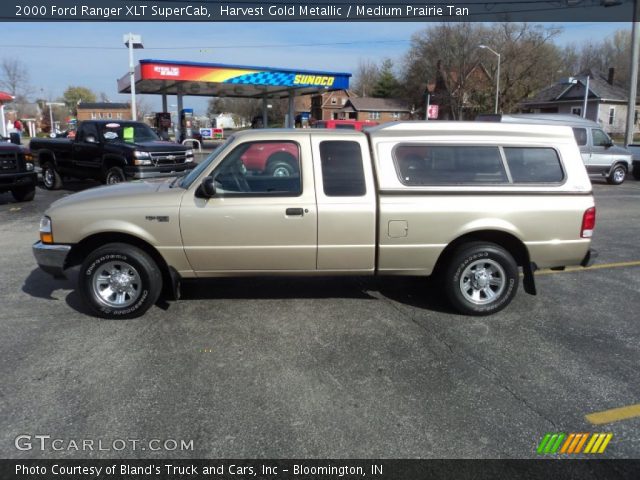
[291,212]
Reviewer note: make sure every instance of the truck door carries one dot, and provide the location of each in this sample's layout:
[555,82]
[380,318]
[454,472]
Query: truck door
[601,159]
[86,150]
[257,222]
[346,200]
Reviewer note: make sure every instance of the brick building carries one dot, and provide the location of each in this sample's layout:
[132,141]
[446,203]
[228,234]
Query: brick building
[379,110]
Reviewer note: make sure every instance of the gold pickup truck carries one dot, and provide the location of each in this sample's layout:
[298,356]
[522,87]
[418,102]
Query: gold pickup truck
[471,202]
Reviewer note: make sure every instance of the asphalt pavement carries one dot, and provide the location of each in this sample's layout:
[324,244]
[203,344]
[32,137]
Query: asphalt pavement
[321,367]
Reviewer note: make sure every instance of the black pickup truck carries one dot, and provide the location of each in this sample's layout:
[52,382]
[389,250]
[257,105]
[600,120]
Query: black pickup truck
[111,152]
[16,172]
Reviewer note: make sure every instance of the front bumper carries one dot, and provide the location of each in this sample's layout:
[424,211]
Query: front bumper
[51,258]
[10,181]
[140,173]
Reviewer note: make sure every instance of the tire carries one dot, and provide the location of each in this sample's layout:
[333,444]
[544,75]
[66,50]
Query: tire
[617,175]
[481,278]
[119,281]
[51,179]
[114,175]
[24,194]
[281,165]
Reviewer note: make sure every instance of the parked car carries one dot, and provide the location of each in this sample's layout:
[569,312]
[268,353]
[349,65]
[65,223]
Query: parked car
[635,152]
[345,124]
[17,174]
[469,202]
[111,152]
[600,155]
[271,158]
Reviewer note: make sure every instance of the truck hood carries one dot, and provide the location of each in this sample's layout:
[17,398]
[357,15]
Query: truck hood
[616,150]
[120,195]
[156,146]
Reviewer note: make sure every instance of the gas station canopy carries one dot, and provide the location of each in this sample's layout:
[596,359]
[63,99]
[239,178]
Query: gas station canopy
[166,77]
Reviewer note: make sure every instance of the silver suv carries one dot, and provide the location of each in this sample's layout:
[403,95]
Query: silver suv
[599,154]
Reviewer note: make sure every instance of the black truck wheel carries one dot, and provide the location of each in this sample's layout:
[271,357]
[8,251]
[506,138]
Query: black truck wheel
[119,281]
[50,177]
[24,194]
[481,278]
[114,175]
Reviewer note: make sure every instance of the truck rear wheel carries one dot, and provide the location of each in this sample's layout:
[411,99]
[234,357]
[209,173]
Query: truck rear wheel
[481,278]
[50,177]
[119,281]
[24,194]
[617,175]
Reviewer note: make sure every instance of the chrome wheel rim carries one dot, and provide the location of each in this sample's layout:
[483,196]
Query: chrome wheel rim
[116,284]
[618,175]
[113,179]
[483,281]
[281,172]
[48,177]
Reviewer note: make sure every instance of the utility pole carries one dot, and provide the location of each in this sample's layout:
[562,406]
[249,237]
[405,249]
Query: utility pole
[633,76]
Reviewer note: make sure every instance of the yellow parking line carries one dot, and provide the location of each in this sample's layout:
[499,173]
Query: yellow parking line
[634,263]
[614,415]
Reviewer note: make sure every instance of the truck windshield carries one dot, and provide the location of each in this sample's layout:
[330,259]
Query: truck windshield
[129,132]
[188,179]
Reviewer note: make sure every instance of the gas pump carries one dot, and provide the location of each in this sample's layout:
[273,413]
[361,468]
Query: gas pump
[186,124]
[163,124]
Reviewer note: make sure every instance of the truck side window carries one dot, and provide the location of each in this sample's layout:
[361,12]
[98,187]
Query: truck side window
[422,165]
[87,130]
[260,168]
[534,165]
[342,171]
[581,136]
[600,139]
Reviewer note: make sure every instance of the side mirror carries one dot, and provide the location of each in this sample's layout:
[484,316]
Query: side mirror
[207,188]
[90,139]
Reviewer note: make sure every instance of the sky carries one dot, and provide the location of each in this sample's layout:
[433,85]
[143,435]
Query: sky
[103,58]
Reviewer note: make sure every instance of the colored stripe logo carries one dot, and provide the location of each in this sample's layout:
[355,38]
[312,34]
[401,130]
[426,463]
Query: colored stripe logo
[573,443]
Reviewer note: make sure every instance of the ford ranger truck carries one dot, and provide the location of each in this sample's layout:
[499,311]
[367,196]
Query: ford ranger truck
[472,203]
[110,152]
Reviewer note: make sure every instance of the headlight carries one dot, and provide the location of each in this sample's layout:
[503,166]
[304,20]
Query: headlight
[142,158]
[46,232]
[29,166]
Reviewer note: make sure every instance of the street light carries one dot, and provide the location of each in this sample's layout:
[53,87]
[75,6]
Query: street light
[497,74]
[574,81]
[52,127]
[132,41]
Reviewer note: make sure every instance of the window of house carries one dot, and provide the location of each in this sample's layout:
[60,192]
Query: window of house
[533,165]
[612,115]
[374,115]
[334,101]
[576,111]
[395,115]
[260,168]
[342,171]
[422,165]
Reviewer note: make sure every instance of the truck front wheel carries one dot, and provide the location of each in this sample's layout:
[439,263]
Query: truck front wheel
[50,177]
[481,278]
[119,281]
[114,175]
[24,194]
[617,175]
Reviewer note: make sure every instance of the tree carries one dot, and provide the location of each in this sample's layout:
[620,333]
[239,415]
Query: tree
[387,85]
[74,95]
[448,56]
[365,77]
[14,78]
